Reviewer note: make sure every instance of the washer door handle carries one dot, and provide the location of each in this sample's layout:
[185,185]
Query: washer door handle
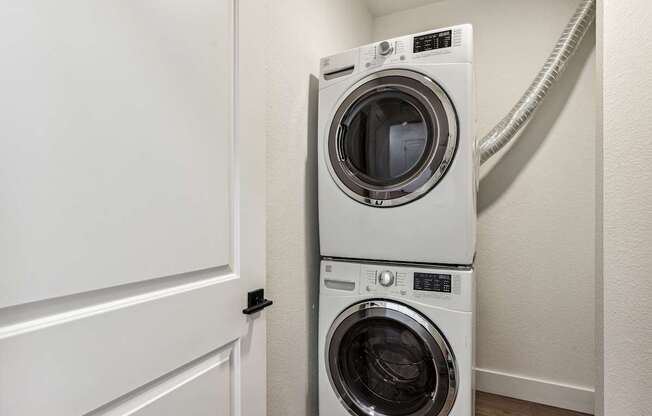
[339,138]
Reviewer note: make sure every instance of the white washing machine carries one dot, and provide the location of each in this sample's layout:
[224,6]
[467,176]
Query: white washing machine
[395,340]
[397,151]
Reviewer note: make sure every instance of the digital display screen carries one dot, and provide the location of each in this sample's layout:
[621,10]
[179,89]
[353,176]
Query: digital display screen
[432,41]
[432,282]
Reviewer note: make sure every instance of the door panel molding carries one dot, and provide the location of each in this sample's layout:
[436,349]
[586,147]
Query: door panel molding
[41,315]
[107,355]
[160,389]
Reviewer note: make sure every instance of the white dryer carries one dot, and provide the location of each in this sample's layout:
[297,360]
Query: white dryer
[395,340]
[397,150]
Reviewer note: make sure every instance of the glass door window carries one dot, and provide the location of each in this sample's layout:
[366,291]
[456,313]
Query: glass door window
[385,359]
[392,139]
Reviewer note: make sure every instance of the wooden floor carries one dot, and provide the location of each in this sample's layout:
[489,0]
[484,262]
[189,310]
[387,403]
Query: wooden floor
[490,405]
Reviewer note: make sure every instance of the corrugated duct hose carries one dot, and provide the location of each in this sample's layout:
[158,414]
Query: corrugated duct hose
[514,123]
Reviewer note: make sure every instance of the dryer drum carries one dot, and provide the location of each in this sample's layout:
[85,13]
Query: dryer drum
[386,359]
[392,138]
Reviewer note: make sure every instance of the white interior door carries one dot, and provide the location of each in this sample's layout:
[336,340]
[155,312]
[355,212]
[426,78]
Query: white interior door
[131,207]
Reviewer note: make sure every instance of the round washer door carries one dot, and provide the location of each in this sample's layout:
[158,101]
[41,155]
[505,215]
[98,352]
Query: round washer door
[392,138]
[385,359]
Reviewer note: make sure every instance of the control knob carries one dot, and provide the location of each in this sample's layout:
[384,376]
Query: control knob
[384,48]
[386,278]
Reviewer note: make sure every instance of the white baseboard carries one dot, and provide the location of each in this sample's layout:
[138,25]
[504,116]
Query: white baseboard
[565,396]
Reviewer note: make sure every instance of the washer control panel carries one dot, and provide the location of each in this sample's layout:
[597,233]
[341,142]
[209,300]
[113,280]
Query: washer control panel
[447,287]
[403,281]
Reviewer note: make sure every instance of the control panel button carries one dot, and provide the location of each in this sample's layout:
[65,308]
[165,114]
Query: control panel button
[386,278]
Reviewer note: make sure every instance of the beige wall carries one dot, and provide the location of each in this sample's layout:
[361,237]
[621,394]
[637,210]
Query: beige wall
[536,251]
[301,32]
[625,284]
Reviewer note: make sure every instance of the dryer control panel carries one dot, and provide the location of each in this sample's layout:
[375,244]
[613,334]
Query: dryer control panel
[452,44]
[446,45]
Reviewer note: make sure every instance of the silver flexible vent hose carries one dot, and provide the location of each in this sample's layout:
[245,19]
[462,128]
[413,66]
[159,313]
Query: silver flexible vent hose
[514,123]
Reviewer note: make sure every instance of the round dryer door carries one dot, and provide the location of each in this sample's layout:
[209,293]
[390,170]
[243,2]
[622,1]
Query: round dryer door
[386,359]
[392,138]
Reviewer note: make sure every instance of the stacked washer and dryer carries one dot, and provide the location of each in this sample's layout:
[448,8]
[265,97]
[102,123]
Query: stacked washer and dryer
[398,177]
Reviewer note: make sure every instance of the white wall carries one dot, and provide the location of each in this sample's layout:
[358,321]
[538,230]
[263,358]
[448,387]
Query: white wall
[625,284]
[537,207]
[301,32]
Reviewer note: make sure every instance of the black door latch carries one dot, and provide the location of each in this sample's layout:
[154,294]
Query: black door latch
[256,302]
